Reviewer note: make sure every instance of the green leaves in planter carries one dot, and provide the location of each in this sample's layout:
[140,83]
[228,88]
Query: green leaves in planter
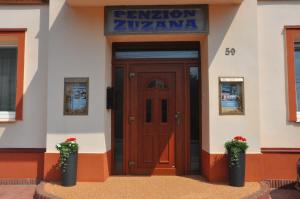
[234,147]
[66,149]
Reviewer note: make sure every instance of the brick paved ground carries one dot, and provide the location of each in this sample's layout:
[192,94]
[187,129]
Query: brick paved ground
[285,194]
[17,191]
[154,187]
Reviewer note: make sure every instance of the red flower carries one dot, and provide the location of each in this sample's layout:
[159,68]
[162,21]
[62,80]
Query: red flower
[240,138]
[71,140]
[237,137]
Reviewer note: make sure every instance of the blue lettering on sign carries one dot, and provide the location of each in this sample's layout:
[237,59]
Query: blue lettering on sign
[131,14]
[156,14]
[165,14]
[191,24]
[144,14]
[120,25]
[138,20]
[161,25]
[176,14]
[147,25]
[176,25]
[189,13]
[131,25]
[119,13]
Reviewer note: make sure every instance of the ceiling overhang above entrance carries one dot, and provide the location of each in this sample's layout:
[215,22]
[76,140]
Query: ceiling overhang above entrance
[147,2]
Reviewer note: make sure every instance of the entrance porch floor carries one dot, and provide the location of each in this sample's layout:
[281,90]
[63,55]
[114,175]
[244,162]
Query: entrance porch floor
[152,187]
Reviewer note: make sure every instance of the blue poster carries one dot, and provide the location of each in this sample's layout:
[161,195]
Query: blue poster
[79,97]
[231,98]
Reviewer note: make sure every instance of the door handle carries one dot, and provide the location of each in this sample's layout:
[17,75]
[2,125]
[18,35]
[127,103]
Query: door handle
[131,119]
[178,117]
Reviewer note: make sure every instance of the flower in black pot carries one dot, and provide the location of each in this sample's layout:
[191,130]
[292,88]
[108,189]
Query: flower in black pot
[68,161]
[236,149]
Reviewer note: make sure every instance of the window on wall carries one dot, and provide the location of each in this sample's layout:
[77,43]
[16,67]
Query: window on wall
[293,64]
[118,120]
[297,74]
[11,74]
[194,120]
[8,77]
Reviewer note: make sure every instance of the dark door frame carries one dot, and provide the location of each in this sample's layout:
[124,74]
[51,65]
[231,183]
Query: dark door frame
[184,168]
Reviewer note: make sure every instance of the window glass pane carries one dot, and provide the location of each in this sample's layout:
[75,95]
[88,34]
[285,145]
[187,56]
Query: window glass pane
[194,120]
[148,110]
[190,54]
[8,78]
[118,107]
[157,84]
[297,67]
[164,111]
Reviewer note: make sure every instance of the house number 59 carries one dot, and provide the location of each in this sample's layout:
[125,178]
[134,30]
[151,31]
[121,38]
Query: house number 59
[230,51]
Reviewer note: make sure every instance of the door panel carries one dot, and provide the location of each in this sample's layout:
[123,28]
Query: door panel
[154,102]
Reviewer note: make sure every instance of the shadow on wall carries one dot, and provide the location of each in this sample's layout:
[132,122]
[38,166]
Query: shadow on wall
[76,49]
[220,19]
[222,16]
[31,132]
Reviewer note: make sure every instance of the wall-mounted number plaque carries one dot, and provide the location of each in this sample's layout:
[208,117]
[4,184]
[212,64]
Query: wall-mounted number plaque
[231,92]
[76,96]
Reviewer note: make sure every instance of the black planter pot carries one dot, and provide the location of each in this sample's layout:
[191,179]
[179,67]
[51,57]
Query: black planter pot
[237,172]
[69,177]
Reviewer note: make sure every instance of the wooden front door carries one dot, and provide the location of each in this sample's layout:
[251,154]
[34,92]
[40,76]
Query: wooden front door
[155,111]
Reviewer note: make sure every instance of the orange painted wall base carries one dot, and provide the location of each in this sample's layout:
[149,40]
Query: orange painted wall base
[258,166]
[35,164]
[21,163]
[91,167]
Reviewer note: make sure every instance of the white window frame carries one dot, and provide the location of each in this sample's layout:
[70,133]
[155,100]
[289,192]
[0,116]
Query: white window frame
[7,116]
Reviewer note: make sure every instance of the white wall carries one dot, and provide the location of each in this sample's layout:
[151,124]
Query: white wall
[77,49]
[233,26]
[79,31]
[31,132]
[276,131]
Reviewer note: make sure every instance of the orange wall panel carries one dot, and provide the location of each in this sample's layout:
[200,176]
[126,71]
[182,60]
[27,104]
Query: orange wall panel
[280,166]
[21,165]
[258,166]
[91,167]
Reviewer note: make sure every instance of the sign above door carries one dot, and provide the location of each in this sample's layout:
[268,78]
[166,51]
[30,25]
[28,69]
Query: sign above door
[156,20]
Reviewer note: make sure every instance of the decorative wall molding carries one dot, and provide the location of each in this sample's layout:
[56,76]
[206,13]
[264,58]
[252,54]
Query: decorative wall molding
[22,150]
[280,150]
[23,2]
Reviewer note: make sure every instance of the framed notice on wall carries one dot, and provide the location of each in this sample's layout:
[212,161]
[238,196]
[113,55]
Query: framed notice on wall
[76,96]
[231,92]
